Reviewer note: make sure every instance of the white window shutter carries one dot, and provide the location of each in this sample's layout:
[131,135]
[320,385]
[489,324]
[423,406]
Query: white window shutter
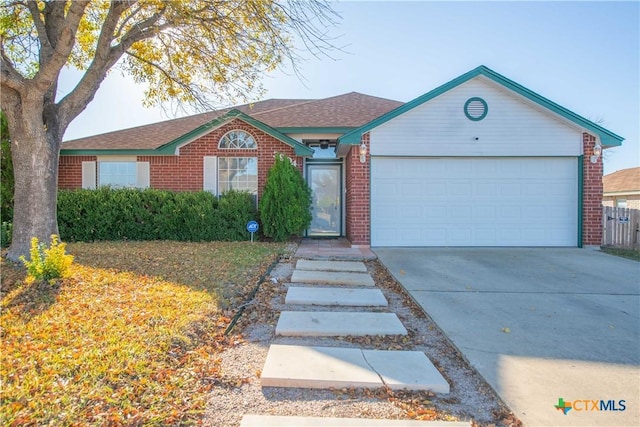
[89,175]
[210,175]
[143,170]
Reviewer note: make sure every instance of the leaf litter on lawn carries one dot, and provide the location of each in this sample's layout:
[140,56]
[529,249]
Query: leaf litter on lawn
[132,337]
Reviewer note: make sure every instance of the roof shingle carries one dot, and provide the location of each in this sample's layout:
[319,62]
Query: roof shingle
[622,180]
[348,110]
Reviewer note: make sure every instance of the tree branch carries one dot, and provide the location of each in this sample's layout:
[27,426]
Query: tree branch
[50,66]
[45,45]
[106,56]
[9,76]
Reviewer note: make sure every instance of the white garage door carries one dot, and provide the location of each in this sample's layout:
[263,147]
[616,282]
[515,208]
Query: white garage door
[474,201]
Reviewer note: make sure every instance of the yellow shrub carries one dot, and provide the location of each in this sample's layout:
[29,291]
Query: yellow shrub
[48,263]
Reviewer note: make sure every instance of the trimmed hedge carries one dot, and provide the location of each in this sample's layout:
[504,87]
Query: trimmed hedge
[150,214]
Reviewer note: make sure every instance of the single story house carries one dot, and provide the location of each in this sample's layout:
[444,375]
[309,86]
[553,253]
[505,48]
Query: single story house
[621,189]
[478,161]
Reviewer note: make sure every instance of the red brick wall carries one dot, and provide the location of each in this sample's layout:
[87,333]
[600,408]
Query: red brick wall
[185,171]
[70,171]
[591,194]
[358,195]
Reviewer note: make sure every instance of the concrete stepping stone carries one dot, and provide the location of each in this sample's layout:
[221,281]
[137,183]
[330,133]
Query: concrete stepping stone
[333,367]
[353,266]
[332,277]
[293,421]
[332,323]
[354,297]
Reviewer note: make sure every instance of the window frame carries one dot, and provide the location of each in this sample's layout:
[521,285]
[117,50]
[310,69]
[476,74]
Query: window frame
[130,163]
[226,137]
[220,170]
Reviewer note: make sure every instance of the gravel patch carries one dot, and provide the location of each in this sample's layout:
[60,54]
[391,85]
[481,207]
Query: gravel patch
[239,391]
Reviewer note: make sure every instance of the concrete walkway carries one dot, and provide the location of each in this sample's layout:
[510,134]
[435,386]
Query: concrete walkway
[338,324]
[332,249]
[334,367]
[348,278]
[538,324]
[353,297]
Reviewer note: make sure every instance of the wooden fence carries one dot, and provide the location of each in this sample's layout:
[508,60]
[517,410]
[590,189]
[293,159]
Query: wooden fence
[621,227]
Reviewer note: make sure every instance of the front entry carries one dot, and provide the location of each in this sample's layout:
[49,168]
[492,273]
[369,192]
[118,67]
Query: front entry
[325,181]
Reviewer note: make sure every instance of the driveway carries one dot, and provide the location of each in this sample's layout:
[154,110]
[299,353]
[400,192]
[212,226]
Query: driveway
[538,324]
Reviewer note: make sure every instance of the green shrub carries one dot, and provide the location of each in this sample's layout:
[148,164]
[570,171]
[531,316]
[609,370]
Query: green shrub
[47,264]
[6,229]
[236,209]
[286,201]
[150,214]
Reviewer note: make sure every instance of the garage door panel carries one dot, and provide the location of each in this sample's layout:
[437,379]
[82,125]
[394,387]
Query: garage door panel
[474,202]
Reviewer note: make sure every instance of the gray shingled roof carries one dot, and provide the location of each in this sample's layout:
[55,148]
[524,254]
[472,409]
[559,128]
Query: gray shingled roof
[348,110]
[622,180]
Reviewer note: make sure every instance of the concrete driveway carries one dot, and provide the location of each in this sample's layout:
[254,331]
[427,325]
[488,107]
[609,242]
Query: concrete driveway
[538,324]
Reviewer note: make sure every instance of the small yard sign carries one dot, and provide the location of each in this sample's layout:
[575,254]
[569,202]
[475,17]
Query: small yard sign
[252,227]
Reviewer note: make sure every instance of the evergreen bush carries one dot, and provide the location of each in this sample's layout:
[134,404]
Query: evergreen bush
[150,214]
[286,201]
[236,209]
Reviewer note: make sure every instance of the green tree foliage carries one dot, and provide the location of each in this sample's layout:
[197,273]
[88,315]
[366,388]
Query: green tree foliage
[6,172]
[286,201]
[198,53]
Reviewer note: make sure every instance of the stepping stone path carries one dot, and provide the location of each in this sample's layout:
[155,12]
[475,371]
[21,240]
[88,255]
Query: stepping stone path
[337,324]
[342,284]
[336,296]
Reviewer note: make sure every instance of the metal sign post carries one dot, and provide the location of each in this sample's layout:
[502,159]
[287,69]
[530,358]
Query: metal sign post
[252,227]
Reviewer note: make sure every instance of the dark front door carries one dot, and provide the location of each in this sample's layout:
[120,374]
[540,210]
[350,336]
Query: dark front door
[326,207]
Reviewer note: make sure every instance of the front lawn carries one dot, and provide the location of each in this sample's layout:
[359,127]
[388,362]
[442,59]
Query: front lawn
[132,337]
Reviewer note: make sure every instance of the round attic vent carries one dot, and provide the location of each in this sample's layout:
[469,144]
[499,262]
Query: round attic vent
[476,109]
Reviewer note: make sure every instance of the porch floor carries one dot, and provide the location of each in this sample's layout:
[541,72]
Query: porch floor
[341,248]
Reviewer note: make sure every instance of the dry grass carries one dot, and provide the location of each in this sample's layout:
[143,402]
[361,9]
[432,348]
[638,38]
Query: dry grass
[132,337]
[631,253]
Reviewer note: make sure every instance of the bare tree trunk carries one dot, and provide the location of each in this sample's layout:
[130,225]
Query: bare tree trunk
[35,150]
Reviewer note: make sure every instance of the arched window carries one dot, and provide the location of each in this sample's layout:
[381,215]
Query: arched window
[237,139]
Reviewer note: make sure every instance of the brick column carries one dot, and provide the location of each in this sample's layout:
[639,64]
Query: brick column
[357,197]
[591,194]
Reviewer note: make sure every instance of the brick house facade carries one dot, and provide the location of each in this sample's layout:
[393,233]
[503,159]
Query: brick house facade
[175,155]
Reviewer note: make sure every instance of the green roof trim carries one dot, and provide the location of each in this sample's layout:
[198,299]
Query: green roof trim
[607,138]
[300,149]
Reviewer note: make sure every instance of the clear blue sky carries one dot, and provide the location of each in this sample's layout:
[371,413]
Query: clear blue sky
[584,56]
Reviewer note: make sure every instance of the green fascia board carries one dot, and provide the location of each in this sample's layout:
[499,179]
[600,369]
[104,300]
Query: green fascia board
[300,149]
[342,130]
[607,138]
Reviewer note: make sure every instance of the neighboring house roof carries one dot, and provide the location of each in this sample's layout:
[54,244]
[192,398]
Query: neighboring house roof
[339,114]
[607,138]
[625,181]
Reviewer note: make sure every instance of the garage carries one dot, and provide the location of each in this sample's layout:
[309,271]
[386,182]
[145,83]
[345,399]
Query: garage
[474,201]
[478,161]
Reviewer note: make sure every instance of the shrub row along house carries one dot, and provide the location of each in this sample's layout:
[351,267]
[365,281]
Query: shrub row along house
[478,161]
